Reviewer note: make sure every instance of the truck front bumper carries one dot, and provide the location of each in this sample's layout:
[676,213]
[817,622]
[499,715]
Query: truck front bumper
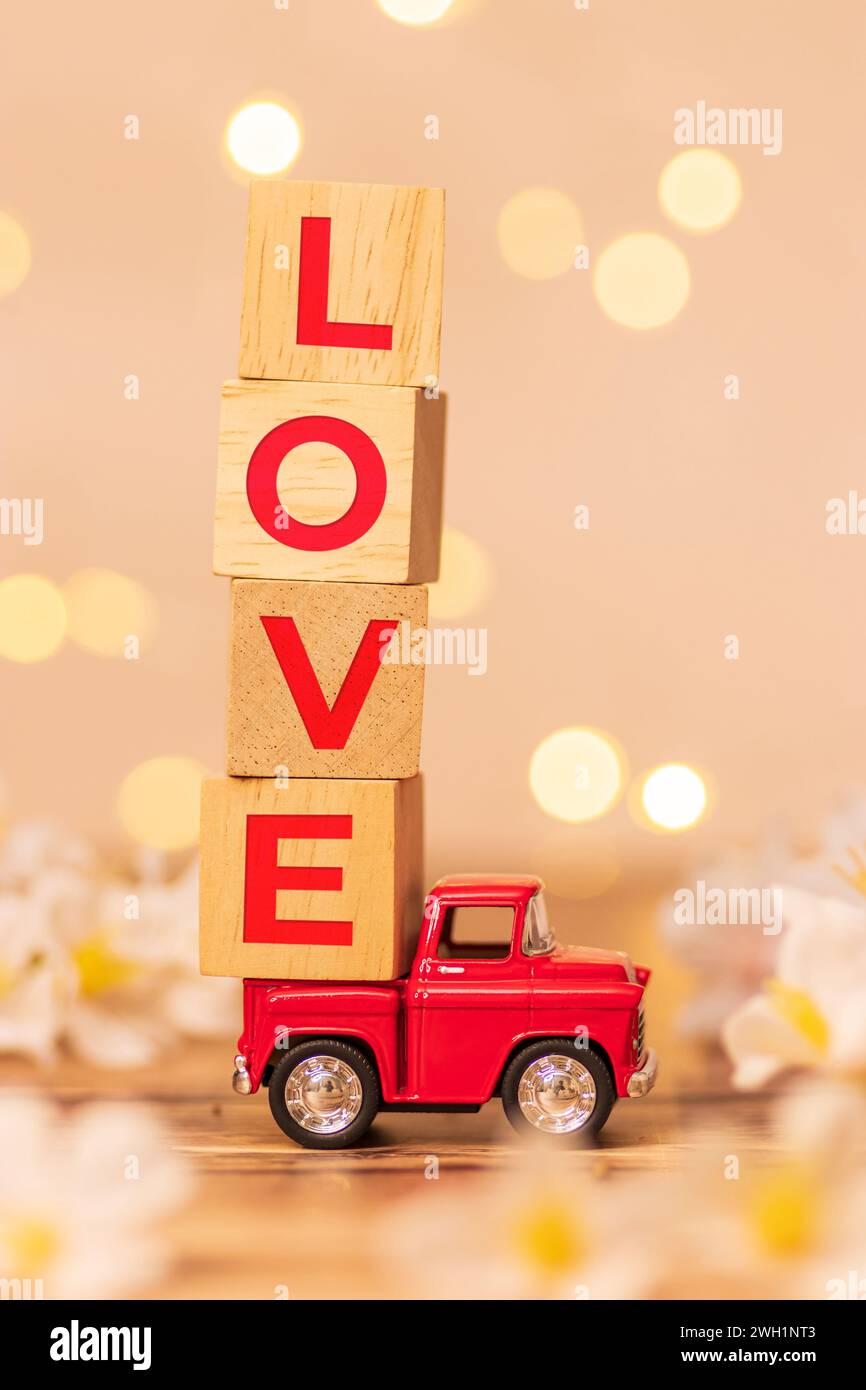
[641,1082]
[241,1081]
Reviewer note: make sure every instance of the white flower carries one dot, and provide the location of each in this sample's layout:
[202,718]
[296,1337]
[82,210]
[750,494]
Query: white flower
[29,847]
[82,1198]
[812,1013]
[30,994]
[135,977]
[164,936]
[782,1224]
[108,967]
[547,1230]
[729,959]
[45,892]
[732,959]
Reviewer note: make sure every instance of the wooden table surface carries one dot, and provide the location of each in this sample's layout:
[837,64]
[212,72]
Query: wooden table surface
[266,1215]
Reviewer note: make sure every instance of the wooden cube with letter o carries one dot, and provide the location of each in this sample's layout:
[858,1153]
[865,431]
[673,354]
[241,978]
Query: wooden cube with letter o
[310,879]
[329,482]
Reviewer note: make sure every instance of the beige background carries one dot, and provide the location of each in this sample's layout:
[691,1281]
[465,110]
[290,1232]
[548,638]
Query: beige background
[707,516]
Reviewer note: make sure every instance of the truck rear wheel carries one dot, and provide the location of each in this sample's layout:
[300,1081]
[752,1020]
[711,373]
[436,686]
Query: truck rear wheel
[557,1091]
[324,1094]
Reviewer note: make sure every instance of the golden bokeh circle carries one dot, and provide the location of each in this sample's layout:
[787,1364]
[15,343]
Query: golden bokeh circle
[263,138]
[538,231]
[577,871]
[700,190]
[15,254]
[415,11]
[158,802]
[577,774]
[32,618]
[672,797]
[642,280]
[465,576]
[105,608]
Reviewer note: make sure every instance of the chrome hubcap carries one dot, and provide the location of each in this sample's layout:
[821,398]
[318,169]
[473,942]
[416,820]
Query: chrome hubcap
[324,1095]
[556,1094]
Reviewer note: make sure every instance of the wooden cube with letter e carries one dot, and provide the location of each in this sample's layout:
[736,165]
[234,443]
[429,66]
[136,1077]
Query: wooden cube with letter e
[319,685]
[310,879]
[343,283]
[329,482]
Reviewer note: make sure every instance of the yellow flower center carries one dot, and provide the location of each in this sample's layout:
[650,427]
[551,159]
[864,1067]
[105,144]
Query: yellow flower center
[799,1009]
[783,1212]
[32,1243]
[856,874]
[548,1237]
[8,977]
[99,967]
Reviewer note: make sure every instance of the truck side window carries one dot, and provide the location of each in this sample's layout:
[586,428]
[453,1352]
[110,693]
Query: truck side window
[476,933]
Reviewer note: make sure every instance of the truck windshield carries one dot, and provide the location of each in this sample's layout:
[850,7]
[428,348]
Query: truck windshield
[538,939]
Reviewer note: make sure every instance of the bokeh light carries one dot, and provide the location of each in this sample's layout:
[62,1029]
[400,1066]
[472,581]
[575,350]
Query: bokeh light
[538,231]
[700,190]
[673,796]
[577,774]
[465,576]
[574,869]
[105,608]
[32,617]
[158,802]
[642,280]
[15,254]
[415,11]
[263,138]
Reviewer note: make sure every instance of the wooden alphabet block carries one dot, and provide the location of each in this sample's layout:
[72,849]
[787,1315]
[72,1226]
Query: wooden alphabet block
[310,879]
[343,283]
[329,482]
[313,686]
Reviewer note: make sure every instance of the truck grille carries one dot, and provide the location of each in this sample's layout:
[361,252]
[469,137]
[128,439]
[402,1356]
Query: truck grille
[641,1029]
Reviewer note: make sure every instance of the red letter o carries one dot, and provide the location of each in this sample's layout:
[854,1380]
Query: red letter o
[371,480]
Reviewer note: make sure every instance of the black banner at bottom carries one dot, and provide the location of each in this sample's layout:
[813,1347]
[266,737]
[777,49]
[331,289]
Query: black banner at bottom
[66,1338]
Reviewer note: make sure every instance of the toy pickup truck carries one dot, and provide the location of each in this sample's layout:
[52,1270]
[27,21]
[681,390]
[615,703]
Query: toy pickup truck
[556,1031]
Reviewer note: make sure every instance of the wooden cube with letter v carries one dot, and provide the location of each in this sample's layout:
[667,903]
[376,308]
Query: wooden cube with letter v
[306,879]
[316,685]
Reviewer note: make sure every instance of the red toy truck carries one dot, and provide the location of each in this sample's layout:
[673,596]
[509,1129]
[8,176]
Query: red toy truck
[556,1031]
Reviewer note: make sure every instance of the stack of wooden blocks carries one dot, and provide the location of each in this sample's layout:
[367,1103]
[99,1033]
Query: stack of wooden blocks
[312,847]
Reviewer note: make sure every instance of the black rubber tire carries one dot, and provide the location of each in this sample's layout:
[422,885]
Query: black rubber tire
[604,1092]
[364,1070]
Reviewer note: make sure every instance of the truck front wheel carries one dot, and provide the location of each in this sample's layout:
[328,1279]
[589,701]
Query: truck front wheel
[324,1094]
[558,1091]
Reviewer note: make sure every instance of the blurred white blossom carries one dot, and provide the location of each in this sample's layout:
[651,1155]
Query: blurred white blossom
[107,967]
[812,1012]
[732,961]
[789,1222]
[82,1196]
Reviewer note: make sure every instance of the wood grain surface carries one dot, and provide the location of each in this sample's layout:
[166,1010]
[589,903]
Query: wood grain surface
[268,1220]
[382,877]
[266,728]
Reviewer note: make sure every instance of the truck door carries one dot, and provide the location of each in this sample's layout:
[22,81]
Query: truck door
[469,1000]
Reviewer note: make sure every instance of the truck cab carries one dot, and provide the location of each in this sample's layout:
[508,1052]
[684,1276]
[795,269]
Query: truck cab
[492,1006]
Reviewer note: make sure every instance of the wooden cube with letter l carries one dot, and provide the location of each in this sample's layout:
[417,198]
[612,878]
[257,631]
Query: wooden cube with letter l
[329,482]
[343,283]
[318,686]
[310,879]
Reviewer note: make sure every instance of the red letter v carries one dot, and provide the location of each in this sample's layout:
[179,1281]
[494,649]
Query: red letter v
[327,728]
